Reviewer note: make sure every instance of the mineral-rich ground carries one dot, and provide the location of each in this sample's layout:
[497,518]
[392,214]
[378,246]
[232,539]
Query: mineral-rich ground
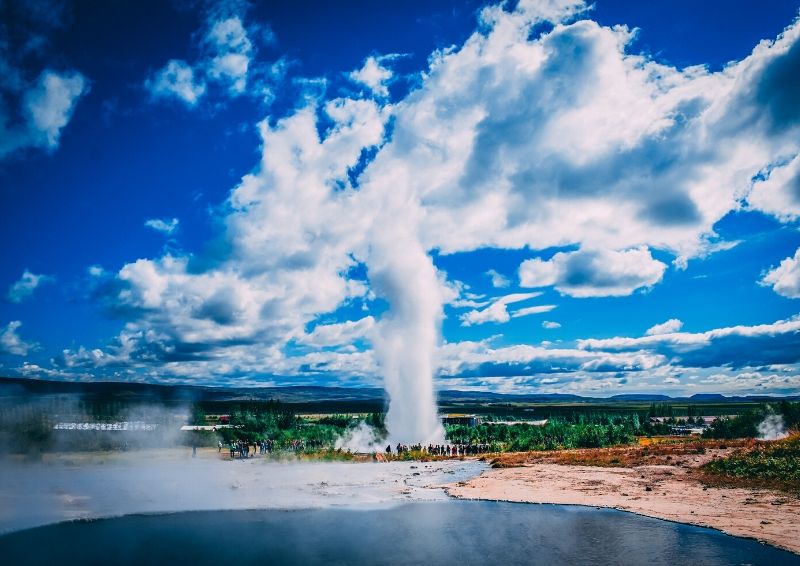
[661,482]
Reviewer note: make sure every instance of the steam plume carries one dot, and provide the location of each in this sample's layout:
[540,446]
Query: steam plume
[363,438]
[406,338]
[772,428]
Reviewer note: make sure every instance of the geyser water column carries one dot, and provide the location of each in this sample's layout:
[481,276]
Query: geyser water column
[406,338]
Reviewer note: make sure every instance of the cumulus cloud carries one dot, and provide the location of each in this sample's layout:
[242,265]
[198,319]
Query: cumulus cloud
[589,273]
[47,107]
[479,359]
[226,60]
[38,100]
[777,192]
[176,80]
[527,136]
[51,102]
[165,226]
[550,325]
[286,263]
[374,76]
[10,341]
[509,135]
[499,281]
[785,279]
[668,327]
[742,359]
[24,287]
[734,347]
[497,311]
[338,334]
[231,48]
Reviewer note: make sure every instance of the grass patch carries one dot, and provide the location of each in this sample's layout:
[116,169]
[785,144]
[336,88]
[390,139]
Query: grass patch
[670,452]
[773,465]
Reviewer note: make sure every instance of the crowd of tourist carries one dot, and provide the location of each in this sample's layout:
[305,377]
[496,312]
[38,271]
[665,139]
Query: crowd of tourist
[242,448]
[452,450]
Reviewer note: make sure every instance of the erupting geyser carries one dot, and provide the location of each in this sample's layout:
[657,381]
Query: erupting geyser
[406,338]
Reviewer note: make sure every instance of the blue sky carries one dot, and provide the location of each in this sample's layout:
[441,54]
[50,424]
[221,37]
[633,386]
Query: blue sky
[533,197]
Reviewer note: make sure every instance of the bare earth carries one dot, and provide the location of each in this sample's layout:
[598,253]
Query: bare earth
[676,495]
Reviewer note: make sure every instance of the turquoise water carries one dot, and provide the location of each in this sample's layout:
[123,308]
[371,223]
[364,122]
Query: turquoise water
[446,532]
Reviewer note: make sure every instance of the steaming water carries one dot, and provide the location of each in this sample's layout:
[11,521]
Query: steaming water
[146,482]
[450,532]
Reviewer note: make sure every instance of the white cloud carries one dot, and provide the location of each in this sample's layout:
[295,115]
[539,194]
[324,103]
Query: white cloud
[479,359]
[231,50]
[519,138]
[47,107]
[734,346]
[586,273]
[96,270]
[668,327]
[24,287]
[339,333]
[165,226]
[538,309]
[287,263]
[508,137]
[499,281]
[176,80]
[550,325]
[779,192]
[740,360]
[373,75]
[497,311]
[785,279]
[227,60]
[52,102]
[11,343]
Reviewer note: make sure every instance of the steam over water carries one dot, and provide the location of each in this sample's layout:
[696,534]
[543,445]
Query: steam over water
[150,482]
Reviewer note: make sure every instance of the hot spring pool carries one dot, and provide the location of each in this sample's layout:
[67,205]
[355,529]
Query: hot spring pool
[446,532]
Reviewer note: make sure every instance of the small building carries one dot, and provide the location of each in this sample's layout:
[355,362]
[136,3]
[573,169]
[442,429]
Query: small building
[224,419]
[204,427]
[707,420]
[461,419]
[540,422]
[686,430]
[126,426]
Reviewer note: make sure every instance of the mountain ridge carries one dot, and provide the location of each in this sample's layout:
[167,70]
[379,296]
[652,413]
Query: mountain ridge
[23,387]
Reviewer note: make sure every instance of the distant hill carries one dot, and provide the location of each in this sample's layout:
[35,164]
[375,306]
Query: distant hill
[18,387]
[640,397]
[707,397]
[13,388]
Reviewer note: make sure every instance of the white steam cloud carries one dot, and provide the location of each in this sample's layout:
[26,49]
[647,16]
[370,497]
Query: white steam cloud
[772,428]
[407,337]
[362,438]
